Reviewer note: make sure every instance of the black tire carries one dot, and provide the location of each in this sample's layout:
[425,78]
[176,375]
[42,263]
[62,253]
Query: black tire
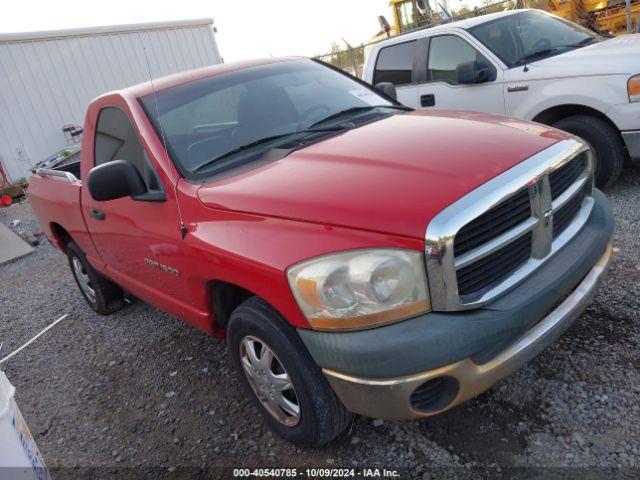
[322,416]
[108,297]
[605,142]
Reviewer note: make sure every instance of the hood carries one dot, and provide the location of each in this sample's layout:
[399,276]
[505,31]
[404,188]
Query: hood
[391,176]
[614,56]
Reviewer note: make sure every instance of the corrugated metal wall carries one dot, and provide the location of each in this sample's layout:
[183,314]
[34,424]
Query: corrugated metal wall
[48,81]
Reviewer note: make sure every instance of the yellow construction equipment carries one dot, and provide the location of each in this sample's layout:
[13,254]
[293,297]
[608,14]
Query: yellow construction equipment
[411,14]
[604,16]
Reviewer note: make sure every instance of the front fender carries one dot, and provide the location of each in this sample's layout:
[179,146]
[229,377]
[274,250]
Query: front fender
[254,252]
[597,93]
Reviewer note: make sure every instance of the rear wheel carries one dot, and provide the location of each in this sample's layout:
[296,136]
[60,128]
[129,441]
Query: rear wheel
[102,295]
[603,140]
[283,381]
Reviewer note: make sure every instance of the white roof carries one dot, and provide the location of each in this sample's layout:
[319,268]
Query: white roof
[103,30]
[463,24]
[473,21]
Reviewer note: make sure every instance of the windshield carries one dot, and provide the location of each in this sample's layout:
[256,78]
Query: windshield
[218,121]
[532,35]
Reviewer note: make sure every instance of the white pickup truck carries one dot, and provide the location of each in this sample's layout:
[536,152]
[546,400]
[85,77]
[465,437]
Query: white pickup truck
[526,64]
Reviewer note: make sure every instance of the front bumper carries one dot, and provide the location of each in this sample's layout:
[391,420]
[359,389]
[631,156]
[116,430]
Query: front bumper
[632,141]
[626,116]
[426,365]
[392,398]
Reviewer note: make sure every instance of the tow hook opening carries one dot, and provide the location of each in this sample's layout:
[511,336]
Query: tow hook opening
[435,394]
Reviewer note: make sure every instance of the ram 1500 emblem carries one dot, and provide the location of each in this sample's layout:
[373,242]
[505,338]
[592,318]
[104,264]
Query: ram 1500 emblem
[162,266]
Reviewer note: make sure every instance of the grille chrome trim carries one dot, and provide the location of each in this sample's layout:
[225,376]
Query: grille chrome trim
[532,173]
[484,274]
[569,193]
[493,222]
[495,244]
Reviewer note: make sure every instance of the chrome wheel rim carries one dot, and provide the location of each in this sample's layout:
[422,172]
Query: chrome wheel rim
[83,280]
[269,381]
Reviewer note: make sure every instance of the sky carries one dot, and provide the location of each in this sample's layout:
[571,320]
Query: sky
[246,28]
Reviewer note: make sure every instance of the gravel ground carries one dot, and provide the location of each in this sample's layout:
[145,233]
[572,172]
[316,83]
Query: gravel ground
[140,389]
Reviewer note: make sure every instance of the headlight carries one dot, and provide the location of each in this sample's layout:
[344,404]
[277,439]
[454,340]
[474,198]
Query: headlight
[633,89]
[360,288]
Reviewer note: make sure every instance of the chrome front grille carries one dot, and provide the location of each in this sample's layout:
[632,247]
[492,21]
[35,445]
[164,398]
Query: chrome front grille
[564,215]
[496,221]
[494,267]
[563,177]
[493,238]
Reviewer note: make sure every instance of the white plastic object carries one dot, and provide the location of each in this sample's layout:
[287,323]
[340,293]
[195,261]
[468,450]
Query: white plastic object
[20,458]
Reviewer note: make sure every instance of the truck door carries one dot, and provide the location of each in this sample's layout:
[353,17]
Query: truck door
[439,87]
[138,240]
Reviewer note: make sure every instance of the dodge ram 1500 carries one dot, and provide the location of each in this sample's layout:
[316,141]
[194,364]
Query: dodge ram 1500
[358,256]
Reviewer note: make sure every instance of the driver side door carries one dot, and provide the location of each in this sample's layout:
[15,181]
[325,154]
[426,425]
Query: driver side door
[439,87]
[139,240]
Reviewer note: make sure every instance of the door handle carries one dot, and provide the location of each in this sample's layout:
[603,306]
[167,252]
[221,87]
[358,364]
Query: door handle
[97,214]
[428,100]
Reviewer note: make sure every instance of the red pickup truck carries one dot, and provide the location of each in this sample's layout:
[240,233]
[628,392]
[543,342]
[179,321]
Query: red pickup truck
[358,256]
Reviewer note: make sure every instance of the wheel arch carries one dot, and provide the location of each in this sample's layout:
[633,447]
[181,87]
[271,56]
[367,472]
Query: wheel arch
[225,297]
[61,236]
[553,114]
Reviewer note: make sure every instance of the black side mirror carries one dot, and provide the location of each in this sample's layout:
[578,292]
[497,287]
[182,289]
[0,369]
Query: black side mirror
[115,179]
[387,88]
[474,72]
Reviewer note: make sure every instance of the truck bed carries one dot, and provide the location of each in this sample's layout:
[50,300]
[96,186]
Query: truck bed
[73,168]
[55,199]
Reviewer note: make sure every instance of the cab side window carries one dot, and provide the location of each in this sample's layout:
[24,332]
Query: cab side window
[445,53]
[116,139]
[395,64]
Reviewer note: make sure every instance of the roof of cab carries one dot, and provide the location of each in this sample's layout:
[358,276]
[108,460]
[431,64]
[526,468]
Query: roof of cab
[465,24]
[162,83]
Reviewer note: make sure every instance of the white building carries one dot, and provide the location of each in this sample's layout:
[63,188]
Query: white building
[47,79]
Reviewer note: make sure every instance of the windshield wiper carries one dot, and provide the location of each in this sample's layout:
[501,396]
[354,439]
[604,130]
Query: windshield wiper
[539,53]
[266,140]
[358,109]
[582,43]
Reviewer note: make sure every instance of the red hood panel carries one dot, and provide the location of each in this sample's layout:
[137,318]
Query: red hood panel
[390,176]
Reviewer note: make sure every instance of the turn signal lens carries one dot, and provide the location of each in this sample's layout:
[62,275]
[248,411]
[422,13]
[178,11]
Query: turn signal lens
[633,88]
[361,288]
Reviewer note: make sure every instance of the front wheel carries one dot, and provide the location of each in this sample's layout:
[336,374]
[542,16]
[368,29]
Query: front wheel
[603,140]
[283,381]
